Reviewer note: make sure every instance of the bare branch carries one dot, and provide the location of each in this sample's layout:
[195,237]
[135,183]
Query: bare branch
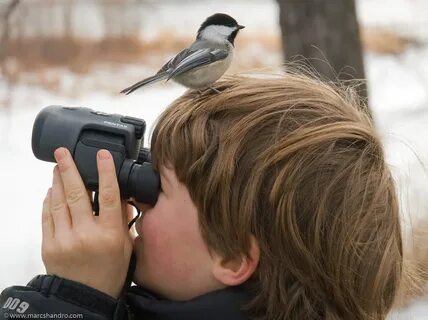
[4,23]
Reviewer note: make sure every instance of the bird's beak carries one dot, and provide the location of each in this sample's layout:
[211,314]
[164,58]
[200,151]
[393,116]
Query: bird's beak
[240,27]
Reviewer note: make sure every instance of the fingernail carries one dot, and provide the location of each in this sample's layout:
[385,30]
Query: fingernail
[60,153]
[103,155]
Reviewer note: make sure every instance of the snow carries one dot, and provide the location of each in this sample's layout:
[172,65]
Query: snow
[417,311]
[408,17]
[398,86]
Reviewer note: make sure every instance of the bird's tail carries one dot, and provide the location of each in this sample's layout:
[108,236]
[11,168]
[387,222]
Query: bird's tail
[152,79]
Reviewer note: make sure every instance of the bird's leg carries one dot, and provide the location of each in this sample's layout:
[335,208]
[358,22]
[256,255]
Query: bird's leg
[215,90]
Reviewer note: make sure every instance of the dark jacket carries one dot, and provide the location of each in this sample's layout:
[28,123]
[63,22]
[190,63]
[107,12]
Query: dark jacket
[47,297]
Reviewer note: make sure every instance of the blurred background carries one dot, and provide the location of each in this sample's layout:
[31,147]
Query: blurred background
[84,52]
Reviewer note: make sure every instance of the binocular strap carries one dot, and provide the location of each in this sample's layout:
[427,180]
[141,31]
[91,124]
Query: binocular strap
[121,305]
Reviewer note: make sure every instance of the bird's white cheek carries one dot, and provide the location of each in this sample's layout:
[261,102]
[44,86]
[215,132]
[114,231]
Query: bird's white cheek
[217,33]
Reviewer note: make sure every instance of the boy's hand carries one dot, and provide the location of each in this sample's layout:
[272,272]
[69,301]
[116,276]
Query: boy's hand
[76,245]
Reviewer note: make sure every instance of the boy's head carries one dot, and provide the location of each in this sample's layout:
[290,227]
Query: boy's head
[280,184]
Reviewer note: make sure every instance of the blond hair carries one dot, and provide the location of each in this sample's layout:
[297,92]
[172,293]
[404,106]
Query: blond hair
[297,164]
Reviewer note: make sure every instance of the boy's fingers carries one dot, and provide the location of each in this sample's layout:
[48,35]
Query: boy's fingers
[109,195]
[75,192]
[48,228]
[58,205]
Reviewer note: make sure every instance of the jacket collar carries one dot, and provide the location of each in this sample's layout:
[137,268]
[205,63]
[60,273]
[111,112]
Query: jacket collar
[221,304]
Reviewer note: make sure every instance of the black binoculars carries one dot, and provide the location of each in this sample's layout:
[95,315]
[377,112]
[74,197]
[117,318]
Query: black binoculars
[83,132]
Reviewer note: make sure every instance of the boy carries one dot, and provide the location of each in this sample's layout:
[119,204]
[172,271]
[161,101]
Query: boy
[276,203]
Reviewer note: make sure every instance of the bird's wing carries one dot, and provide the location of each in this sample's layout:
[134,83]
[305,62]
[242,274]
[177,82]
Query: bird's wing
[192,59]
[186,60]
[170,65]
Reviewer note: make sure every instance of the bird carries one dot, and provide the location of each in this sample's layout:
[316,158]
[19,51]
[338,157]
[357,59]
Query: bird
[205,61]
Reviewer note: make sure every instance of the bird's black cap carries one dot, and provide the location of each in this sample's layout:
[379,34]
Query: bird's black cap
[220,19]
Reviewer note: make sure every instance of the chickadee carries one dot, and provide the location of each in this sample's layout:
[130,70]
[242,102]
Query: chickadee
[205,61]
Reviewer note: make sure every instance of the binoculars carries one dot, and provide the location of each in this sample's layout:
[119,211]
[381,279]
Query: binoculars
[83,132]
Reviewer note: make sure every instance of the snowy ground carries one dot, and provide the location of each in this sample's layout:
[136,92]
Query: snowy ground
[399,97]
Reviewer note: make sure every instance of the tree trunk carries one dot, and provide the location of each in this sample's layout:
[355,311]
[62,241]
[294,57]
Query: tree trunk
[325,32]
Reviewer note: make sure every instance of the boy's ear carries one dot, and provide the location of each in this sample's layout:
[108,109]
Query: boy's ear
[233,272]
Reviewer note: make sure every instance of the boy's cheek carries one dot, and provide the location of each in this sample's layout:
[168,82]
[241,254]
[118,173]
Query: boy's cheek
[160,246]
[154,243]
[158,263]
